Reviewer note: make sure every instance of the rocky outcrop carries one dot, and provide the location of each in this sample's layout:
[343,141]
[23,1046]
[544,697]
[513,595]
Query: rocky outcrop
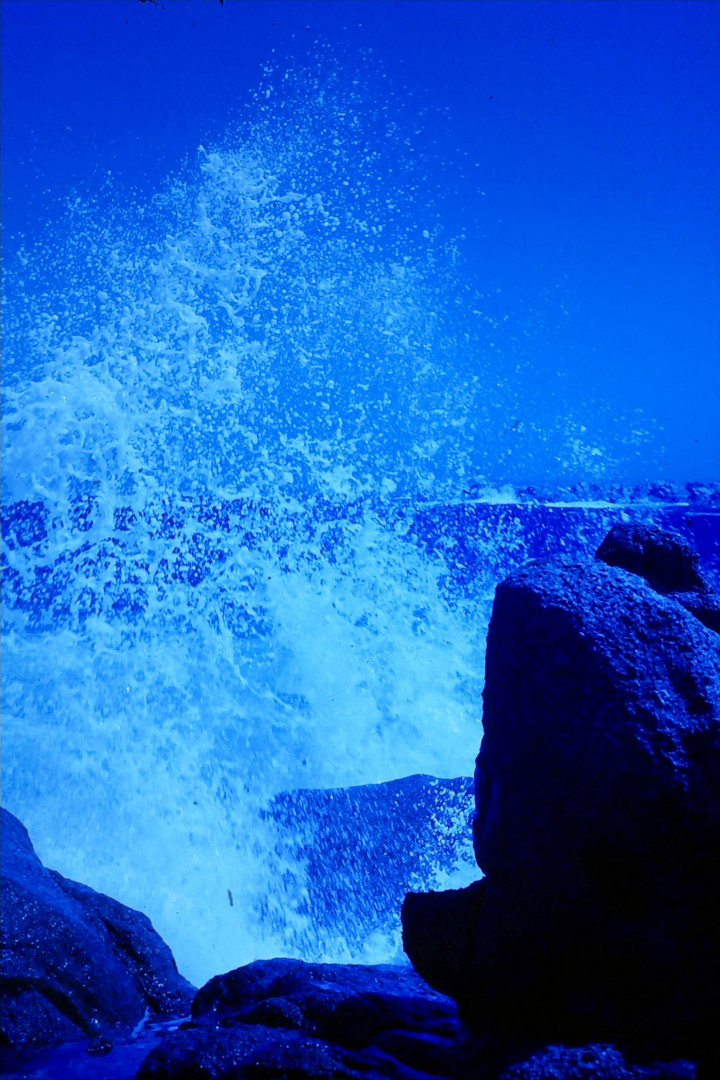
[668,564]
[589,950]
[597,827]
[287,1018]
[75,963]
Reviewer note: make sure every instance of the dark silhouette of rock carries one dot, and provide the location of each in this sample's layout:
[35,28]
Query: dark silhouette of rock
[439,931]
[594,1062]
[668,564]
[597,827]
[278,1018]
[663,558]
[413,830]
[75,964]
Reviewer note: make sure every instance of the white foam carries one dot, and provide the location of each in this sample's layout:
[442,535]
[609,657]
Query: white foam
[265,328]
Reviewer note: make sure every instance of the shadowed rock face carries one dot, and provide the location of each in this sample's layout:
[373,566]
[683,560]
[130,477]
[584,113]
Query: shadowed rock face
[75,963]
[597,824]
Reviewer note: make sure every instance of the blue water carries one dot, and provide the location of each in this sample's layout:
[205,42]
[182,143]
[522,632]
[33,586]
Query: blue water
[261,417]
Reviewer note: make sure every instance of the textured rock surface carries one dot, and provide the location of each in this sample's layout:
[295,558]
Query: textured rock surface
[75,963]
[594,1063]
[287,1018]
[668,564]
[598,824]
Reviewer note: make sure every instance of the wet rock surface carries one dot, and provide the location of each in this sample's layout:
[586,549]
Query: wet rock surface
[75,963]
[597,826]
[288,1018]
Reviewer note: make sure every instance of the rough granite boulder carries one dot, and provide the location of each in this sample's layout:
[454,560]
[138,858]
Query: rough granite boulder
[668,564]
[597,827]
[75,963]
[287,1018]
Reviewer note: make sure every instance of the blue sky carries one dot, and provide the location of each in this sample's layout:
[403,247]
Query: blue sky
[578,143]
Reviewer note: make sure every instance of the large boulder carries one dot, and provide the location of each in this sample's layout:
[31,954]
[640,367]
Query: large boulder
[75,963]
[597,826]
[668,564]
[282,1018]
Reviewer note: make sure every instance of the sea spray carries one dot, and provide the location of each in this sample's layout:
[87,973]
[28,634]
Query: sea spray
[265,336]
[221,401]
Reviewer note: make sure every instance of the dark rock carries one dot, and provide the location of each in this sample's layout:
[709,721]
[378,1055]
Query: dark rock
[439,931]
[593,1063]
[598,825]
[347,1001]
[704,605]
[259,1053]
[663,558]
[668,564]
[349,855]
[422,1050]
[322,1019]
[74,962]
